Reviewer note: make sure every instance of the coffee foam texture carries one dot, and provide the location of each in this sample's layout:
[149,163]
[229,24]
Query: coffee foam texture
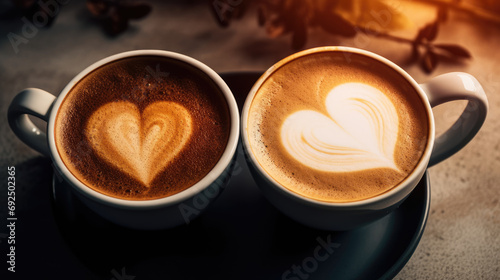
[291,90]
[141,145]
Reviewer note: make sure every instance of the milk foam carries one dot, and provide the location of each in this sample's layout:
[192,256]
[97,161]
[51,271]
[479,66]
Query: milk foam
[337,130]
[360,132]
[139,144]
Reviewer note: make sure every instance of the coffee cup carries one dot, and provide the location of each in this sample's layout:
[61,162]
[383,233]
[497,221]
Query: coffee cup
[338,137]
[146,138]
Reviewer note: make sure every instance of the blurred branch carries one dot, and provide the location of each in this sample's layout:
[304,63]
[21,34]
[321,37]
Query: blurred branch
[423,47]
[346,18]
[114,15]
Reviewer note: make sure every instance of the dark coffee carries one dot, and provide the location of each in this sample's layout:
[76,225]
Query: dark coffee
[142,128]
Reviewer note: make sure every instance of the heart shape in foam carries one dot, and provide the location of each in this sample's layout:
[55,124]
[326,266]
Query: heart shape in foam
[360,132]
[139,144]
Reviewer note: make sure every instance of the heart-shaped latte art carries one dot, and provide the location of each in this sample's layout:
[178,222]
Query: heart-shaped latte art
[139,144]
[360,132]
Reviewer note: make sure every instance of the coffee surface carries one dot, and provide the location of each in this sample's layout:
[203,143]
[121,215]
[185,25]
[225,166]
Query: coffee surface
[142,128]
[336,127]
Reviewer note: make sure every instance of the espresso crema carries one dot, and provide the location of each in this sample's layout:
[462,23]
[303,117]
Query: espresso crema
[142,128]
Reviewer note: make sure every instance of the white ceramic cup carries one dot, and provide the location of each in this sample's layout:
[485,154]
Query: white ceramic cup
[345,216]
[160,213]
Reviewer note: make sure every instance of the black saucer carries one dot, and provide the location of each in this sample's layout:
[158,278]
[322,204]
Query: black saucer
[241,236]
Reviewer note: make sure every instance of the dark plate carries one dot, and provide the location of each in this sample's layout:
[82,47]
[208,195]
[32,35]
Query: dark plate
[241,236]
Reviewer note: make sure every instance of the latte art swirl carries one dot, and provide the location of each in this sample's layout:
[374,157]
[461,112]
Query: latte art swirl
[128,134]
[359,133]
[335,129]
[139,144]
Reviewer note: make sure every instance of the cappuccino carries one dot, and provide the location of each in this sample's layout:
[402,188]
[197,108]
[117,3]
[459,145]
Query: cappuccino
[142,128]
[335,128]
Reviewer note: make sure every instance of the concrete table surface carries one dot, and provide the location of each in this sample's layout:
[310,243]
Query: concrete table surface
[462,237]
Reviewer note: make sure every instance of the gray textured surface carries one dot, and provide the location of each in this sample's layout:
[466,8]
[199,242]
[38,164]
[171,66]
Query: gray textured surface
[461,240]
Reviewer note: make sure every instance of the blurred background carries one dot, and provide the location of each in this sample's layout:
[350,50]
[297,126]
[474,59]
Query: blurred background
[44,43]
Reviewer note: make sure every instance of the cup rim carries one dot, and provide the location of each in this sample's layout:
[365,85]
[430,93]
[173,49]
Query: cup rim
[220,167]
[414,176]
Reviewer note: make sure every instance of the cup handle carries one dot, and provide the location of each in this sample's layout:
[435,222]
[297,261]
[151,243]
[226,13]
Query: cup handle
[35,102]
[457,86]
